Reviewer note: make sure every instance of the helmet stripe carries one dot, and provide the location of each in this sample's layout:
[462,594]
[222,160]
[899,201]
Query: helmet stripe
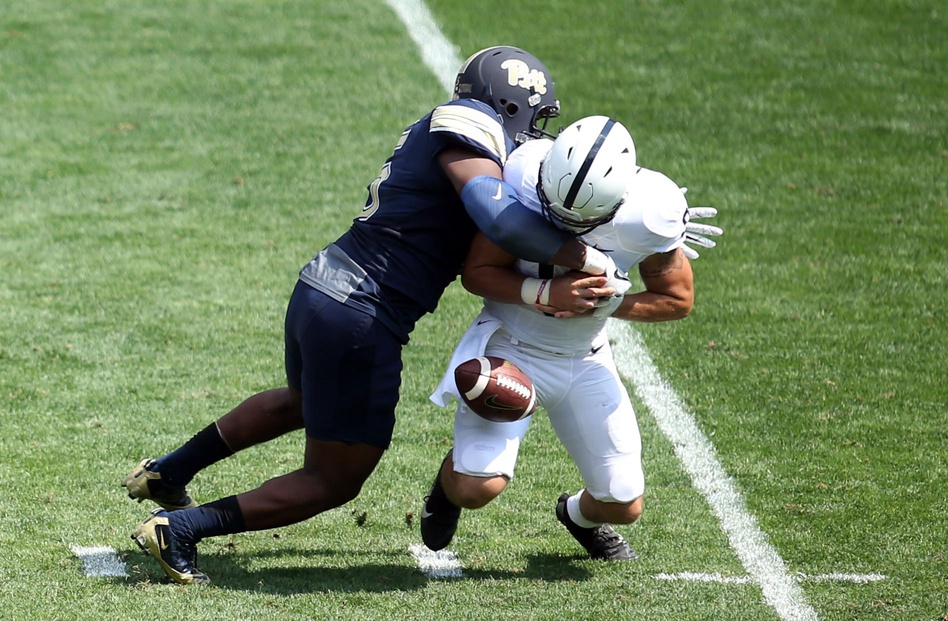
[584,169]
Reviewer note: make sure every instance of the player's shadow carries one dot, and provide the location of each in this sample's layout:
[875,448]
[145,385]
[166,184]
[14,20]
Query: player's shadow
[292,571]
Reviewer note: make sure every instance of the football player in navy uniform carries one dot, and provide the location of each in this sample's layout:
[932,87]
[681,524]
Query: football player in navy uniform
[357,301]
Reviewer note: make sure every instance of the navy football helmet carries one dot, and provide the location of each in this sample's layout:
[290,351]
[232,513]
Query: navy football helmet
[515,84]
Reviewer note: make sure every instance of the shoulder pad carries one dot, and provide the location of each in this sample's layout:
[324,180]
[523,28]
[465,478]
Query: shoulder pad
[473,123]
[653,216]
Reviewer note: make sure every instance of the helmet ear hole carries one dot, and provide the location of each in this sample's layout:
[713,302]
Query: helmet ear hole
[511,108]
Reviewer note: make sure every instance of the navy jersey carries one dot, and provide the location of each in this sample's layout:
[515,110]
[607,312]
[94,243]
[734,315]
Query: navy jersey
[410,242]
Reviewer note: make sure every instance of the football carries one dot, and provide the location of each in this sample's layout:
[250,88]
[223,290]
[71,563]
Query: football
[496,389]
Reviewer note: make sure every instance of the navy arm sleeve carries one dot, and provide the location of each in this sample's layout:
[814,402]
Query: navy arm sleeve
[494,207]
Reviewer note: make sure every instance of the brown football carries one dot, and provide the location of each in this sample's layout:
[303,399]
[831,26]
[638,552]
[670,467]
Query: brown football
[496,389]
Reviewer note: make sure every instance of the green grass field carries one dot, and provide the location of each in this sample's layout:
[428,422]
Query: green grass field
[166,169]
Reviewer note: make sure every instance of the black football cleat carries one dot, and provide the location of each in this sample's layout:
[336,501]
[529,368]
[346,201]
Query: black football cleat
[177,556]
[439,517]
[143,482]
[602,542]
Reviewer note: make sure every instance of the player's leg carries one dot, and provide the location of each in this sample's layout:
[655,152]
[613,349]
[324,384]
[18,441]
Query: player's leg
[349,372]
[473,473]
[470,491]
[349,376]
[258,419]
[597,425]
[332,475]
[601,511]
[483,459]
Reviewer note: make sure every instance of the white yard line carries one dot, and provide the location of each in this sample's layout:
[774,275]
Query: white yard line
[100,561]
[838,577]
[689,576]
[697,455]
[440,564]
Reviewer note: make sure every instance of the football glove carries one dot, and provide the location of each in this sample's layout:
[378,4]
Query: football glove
[597,263]
[695,232]
[605,306]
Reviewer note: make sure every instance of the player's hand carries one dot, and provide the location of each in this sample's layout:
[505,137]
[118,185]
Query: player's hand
[607,305]
[618,282]
[575,293]
[695,231]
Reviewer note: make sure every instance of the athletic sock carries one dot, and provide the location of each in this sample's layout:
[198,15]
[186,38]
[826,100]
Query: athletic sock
[221,517]
[576,514]
[205,448]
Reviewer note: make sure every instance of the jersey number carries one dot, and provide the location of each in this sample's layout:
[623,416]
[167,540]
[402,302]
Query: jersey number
[372,205]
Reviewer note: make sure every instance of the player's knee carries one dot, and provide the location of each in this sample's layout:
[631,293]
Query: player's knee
[324,493]
[631,511]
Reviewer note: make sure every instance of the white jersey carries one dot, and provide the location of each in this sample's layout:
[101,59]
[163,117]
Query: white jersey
[650,221]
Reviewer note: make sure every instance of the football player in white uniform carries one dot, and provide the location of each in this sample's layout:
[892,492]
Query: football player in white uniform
[586,182]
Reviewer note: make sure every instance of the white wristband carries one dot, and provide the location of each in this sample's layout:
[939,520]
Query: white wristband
[535,291]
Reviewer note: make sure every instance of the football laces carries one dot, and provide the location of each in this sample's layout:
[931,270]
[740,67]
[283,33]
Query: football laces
[511,384]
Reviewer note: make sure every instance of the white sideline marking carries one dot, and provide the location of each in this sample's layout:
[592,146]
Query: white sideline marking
[697,455]
[836,577]
[440,564]
[100,561]
[439,54]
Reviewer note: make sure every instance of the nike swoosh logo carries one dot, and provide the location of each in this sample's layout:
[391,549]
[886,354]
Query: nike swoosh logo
[425,514]
[500,192]
[483,321]
[494,403]
[595,350]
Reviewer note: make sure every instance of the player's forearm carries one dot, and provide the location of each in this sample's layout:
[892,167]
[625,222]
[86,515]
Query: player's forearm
[494,283]
[669,290]
[650,307]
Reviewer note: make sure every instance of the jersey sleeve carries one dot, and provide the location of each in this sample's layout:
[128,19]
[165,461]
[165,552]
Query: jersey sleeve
[653,218]
[473,124]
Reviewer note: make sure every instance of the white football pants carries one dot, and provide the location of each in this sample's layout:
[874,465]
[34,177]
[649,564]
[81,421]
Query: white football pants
[588,406]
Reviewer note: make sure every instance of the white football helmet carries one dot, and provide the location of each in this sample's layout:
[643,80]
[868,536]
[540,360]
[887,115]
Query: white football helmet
[582,180]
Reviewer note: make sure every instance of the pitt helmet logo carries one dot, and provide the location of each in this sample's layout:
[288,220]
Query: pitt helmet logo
[519,74]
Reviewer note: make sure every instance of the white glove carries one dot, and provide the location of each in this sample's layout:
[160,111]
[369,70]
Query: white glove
[605,306]
[598,263]
[694,232]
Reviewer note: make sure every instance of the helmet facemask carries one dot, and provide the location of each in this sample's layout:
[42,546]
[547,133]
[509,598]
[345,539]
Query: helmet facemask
[560,217]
